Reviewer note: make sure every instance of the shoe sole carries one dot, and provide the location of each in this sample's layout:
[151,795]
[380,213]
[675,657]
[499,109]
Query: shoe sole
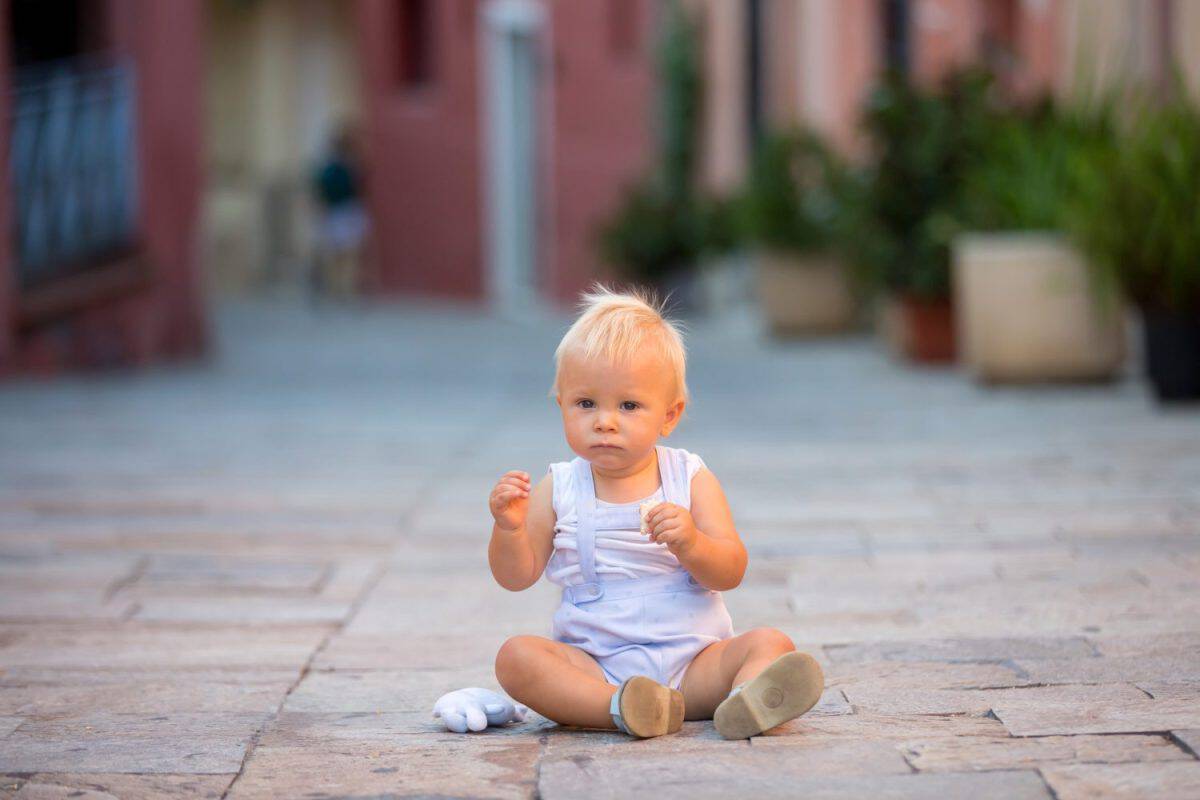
[787,688]
[650,709]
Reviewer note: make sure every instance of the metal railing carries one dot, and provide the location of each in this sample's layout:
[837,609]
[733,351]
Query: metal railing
[74,168]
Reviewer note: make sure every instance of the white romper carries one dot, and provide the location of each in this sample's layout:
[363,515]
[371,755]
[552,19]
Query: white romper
[653,624]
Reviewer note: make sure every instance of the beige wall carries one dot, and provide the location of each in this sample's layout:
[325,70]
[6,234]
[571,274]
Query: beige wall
[281,75]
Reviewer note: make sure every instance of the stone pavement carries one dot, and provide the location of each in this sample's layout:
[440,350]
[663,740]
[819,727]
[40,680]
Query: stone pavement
[252,578]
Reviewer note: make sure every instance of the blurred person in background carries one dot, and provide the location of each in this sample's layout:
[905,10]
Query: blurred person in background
[344,224]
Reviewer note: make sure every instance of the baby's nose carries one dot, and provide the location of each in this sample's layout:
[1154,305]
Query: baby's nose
[606,422]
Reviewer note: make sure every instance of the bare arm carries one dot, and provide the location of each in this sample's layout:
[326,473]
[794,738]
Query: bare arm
[523,533]
[704,540]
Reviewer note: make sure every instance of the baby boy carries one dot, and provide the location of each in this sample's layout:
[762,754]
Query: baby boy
[641,539]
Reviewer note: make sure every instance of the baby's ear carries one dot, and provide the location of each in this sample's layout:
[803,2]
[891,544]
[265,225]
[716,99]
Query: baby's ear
[674,414]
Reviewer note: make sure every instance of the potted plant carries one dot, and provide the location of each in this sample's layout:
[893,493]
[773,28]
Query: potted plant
[789,215]
[654,236]
[1137,216]
[922,143]
[1026,307]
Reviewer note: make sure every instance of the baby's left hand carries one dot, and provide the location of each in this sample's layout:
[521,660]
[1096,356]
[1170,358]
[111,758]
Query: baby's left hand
[673,526]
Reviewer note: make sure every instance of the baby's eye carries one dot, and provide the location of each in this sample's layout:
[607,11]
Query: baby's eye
[585,403]
[629,405]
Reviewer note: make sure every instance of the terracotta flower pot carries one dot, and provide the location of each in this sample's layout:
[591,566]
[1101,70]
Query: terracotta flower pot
[919,329]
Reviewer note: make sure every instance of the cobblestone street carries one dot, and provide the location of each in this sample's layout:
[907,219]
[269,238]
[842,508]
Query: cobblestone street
[252,578]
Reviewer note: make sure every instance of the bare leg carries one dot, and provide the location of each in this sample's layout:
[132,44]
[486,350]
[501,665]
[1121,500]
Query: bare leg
[722,665]
[558,681]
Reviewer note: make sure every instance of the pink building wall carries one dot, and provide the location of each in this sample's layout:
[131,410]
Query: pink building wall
[163,314]
[423,154]
[425,148]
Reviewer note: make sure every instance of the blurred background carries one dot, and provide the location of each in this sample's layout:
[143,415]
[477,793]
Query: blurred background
[990,181]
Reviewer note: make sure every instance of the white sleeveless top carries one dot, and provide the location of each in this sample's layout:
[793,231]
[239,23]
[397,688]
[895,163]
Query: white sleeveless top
[620,554]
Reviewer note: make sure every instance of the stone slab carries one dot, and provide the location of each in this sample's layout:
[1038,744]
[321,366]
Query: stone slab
[106,742]
[384,690]
[923,675]
[1124,781]
[133,647]
[980,753]
[1147,715]
[419,650]
[1189,740]
[963,650]
[9,724]
[316,729]
[891,700]
[699,778]
[93,786]
[879,726]
[242,610]
[467,766]
[73,694]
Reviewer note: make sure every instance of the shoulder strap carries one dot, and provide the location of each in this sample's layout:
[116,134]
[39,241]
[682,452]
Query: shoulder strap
[585,511]
[672,469]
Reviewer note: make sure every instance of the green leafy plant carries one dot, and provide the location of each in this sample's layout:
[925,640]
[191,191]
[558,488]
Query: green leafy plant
[923,143]
[792,198]
[1137,210]
[1031,165]
[651,236]
[660,226]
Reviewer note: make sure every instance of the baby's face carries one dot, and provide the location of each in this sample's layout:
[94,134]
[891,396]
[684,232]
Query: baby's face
[613,414]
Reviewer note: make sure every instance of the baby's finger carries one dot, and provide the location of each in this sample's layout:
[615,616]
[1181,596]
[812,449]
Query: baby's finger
[658,512]
[520,483]
[516,473]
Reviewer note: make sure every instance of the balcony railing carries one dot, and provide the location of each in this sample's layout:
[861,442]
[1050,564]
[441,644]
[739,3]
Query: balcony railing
[74,168]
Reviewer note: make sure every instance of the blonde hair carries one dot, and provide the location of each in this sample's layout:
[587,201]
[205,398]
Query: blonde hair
[617,325]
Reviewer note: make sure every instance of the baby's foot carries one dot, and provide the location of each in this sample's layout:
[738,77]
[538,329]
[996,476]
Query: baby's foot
[644,708]
[788,687]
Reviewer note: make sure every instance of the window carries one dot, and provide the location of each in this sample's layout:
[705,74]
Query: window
[895,35]
[415,39]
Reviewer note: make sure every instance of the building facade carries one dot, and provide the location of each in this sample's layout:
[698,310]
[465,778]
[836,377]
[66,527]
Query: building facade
[103,171]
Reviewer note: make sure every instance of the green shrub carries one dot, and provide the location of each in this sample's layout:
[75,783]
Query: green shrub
[1031,165]
[1137,211]
[791,202]
[923,143]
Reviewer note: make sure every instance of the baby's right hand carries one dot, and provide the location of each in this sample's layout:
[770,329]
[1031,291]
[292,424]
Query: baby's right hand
[509,501]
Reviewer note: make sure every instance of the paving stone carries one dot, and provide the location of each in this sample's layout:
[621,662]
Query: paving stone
[879,726]
[92,786]
[923,675]
[133,647]
[1116,669]
[384,690]
[1025,718]
[420,650]
[9,724]
[28,604]
[703,776]
[466,766]
[963,650]
[226,572]
[979,753]
[1124,781]
[63,693]
[169,743]
[1189,740]
[890,700]
[242,610]
[310,728]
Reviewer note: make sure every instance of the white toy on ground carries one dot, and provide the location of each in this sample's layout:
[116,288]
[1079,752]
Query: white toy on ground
[475,709]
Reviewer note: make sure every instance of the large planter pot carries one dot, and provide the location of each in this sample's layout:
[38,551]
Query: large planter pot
[918,329]
[804,295]
[1027,311]
[1172,342]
